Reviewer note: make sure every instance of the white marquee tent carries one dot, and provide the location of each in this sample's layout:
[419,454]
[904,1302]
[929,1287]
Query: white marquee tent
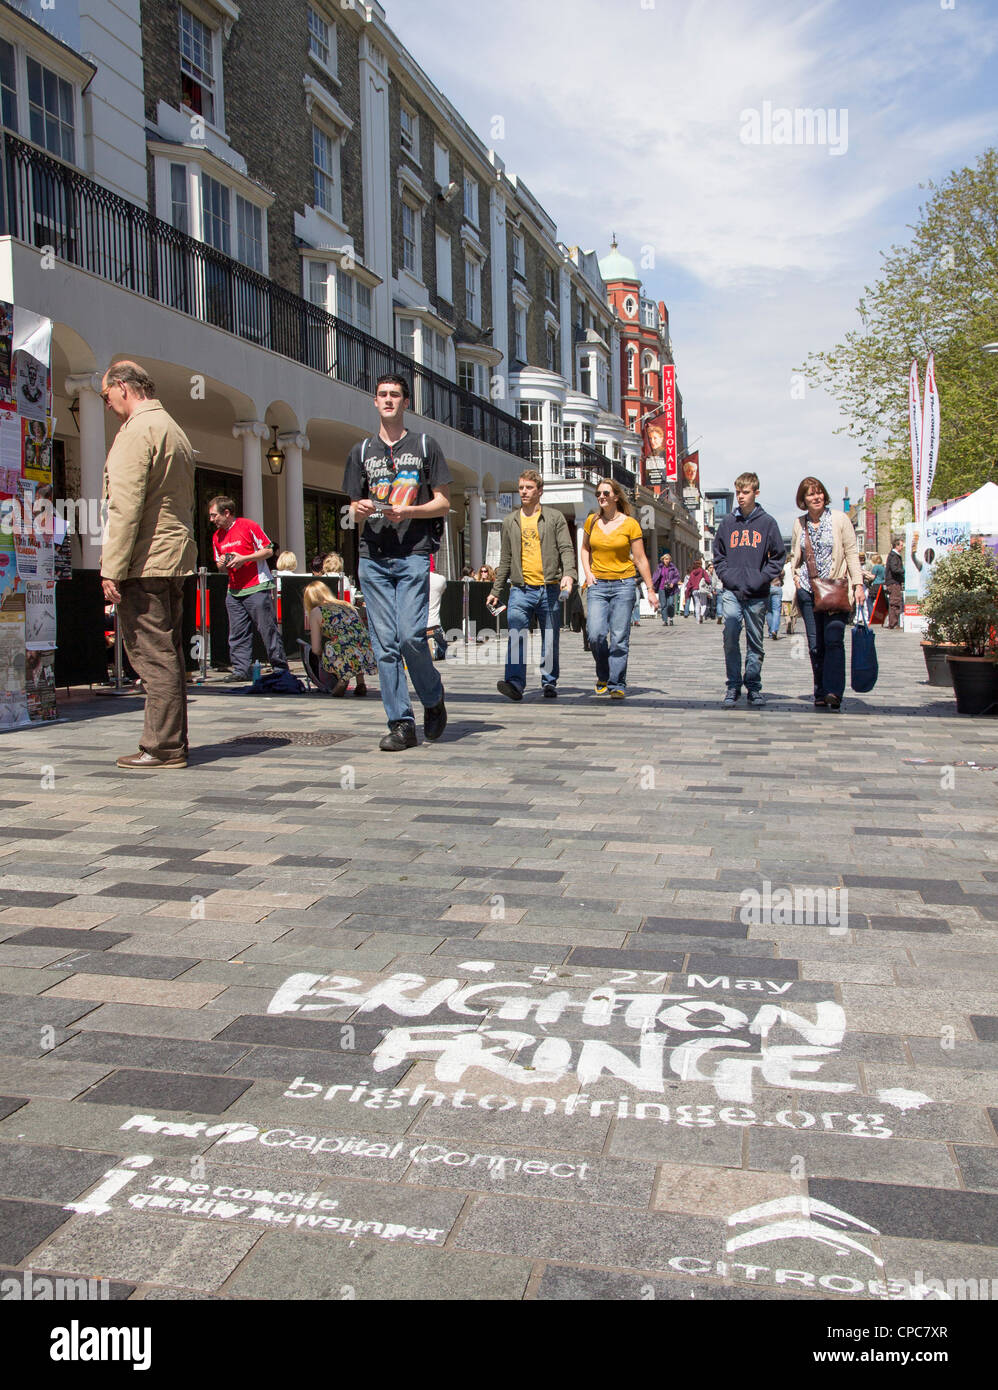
[979,511]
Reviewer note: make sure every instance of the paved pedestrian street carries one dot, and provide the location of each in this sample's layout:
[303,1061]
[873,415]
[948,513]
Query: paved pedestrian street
[650,1000]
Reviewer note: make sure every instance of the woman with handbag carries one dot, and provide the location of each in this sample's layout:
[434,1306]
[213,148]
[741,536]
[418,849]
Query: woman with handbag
[613,555]
[825,561]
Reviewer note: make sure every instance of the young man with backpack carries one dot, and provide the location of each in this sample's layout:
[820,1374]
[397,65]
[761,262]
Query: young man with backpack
[748,555]
[398,485]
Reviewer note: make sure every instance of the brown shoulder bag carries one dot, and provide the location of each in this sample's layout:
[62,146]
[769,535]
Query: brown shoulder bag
[830,595]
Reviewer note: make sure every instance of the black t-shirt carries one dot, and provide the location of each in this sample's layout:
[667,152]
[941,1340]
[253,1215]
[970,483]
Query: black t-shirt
[400,475]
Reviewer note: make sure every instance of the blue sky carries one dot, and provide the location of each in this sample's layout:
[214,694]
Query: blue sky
[629,116]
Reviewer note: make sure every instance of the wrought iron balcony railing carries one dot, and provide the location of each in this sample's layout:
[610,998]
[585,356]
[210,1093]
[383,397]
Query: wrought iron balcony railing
[47,203]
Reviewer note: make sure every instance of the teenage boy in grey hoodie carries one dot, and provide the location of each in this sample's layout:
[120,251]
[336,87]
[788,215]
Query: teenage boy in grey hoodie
[748,555]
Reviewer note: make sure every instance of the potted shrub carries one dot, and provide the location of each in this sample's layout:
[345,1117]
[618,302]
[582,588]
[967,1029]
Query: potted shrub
[962,609]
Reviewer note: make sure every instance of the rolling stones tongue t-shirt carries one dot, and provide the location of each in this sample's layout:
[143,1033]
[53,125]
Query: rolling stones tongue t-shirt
[398,475]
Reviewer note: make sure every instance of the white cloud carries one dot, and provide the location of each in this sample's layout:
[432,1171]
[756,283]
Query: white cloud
[625,118]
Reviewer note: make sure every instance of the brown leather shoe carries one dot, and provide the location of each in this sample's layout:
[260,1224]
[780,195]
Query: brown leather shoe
[146,762]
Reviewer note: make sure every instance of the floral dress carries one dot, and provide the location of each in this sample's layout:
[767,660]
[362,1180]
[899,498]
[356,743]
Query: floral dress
[346,647]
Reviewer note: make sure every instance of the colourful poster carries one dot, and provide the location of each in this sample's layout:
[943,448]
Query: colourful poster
[31,394]
[37,451]
[39,685]
[6,354]
[13,700]
[39,614]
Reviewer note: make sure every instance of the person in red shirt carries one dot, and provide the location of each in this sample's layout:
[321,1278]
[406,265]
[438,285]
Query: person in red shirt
[242,550]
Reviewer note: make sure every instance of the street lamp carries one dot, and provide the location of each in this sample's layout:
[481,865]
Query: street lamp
[275,457]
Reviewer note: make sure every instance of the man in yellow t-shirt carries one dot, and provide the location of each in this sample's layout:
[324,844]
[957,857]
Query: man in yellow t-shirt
[538,558]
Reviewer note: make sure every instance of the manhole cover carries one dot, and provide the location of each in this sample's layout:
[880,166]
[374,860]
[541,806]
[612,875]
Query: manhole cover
[276,737]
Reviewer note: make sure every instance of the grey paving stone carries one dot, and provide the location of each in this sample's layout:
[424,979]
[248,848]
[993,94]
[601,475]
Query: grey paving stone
[158,892]
[720,1146]
[563,1231]
[529,951]
[168,1054]
[285,1063]
[144,1247]
[627,959]
[50,1174]
[118,963]
[848,1156]
[290,1265]
[985,1027]
[46,1011]
[693,927]
[93,940]
[24,1225]
[934,926]
[979,1167]
[294,1031]
[167,1090]
[921,1213]
[745,967]
[46,1076]
[8,1104]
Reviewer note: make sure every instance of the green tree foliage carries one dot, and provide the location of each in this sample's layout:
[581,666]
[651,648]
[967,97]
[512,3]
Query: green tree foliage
[939,293]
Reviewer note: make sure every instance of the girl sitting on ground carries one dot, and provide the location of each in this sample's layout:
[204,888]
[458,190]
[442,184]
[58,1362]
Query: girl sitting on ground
[341,648]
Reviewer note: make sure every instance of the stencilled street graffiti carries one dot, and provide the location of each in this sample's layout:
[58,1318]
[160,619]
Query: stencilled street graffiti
[298,1210]
[801,1218]
[676,1033]
[688,1116]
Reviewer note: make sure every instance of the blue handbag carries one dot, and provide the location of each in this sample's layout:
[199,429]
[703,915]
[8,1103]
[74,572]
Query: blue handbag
[864,667]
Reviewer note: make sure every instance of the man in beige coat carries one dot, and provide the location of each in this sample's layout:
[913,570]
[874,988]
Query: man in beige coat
[148,549]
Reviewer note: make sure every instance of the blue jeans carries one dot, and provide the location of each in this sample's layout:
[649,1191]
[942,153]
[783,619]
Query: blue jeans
[526,601]
[397,594]
[826,644]
[611,602]
[752,613]
[775,610]
[667,606]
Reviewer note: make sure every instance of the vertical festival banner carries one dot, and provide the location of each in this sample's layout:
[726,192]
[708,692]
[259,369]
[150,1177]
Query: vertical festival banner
[669,412]
[929,441]
[914,430]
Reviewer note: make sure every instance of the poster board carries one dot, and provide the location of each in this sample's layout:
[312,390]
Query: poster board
[27,541]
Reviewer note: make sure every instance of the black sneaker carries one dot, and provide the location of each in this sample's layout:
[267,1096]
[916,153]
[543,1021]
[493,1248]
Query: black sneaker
[234,678]
[757,699]
[434,721]
[511,691]
[730,698]
[401,734]
[550,693]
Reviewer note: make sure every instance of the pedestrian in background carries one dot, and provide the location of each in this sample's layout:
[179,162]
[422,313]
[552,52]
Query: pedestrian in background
[341,648]
[894,573]
[241,551]
[613,553]
[696,589]
[537,556]
[789,597]
[775,606]
[398,483]
[824,546]
[148,550]
[665,582]
[286,562]
[749,554]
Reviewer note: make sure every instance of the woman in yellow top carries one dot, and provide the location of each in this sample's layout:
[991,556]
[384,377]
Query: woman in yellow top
[613,554]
